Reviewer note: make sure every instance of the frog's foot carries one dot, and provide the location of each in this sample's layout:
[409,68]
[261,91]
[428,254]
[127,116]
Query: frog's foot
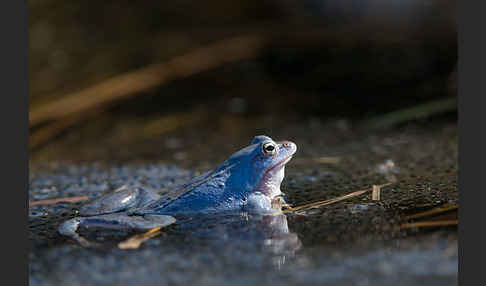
[112,221]
[69,227]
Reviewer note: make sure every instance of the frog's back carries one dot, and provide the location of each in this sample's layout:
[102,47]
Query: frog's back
[204,193]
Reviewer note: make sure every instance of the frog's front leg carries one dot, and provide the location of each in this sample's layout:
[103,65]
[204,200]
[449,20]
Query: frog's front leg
[259,203]
[280,200]
[113,221]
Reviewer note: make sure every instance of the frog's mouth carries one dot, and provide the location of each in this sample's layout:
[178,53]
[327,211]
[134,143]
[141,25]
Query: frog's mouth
[279,164]
[273,177]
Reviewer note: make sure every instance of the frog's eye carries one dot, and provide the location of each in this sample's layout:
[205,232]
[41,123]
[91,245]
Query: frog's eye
[269,148]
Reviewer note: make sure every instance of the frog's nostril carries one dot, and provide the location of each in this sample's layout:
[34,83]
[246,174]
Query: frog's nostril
[287,144]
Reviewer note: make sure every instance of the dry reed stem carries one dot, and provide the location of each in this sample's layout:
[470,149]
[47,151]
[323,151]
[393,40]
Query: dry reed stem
[44,134]
[331,201]
[59,200]
[433,211]
[136,240]
[429,223]
[375,194]
[419,111]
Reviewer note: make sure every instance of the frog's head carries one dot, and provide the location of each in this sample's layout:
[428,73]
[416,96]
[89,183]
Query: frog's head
[261,165]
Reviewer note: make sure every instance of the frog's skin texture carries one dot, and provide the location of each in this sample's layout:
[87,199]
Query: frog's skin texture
[247,181]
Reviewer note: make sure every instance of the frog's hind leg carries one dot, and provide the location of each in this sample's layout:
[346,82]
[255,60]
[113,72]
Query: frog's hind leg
[121,199]
[113,221]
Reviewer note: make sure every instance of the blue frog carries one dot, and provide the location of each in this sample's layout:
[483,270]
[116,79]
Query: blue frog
[248,181]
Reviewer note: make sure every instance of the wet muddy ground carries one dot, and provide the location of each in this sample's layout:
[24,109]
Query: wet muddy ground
[353,242]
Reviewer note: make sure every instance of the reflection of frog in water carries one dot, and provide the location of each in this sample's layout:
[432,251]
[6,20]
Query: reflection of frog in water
[278,239]
[249,181]
[268,235]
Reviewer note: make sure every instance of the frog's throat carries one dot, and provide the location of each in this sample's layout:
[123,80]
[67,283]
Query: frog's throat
[271,187]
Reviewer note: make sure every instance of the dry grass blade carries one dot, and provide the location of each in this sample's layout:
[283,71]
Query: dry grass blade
[433,211]
[59,200]
[331,201]
[132,83]
[429,223]
[136,240]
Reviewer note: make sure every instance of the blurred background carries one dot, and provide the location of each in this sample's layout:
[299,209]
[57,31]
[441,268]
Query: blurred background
[180,81]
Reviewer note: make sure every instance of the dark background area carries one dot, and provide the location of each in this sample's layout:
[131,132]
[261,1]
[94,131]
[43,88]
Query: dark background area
[355,63]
